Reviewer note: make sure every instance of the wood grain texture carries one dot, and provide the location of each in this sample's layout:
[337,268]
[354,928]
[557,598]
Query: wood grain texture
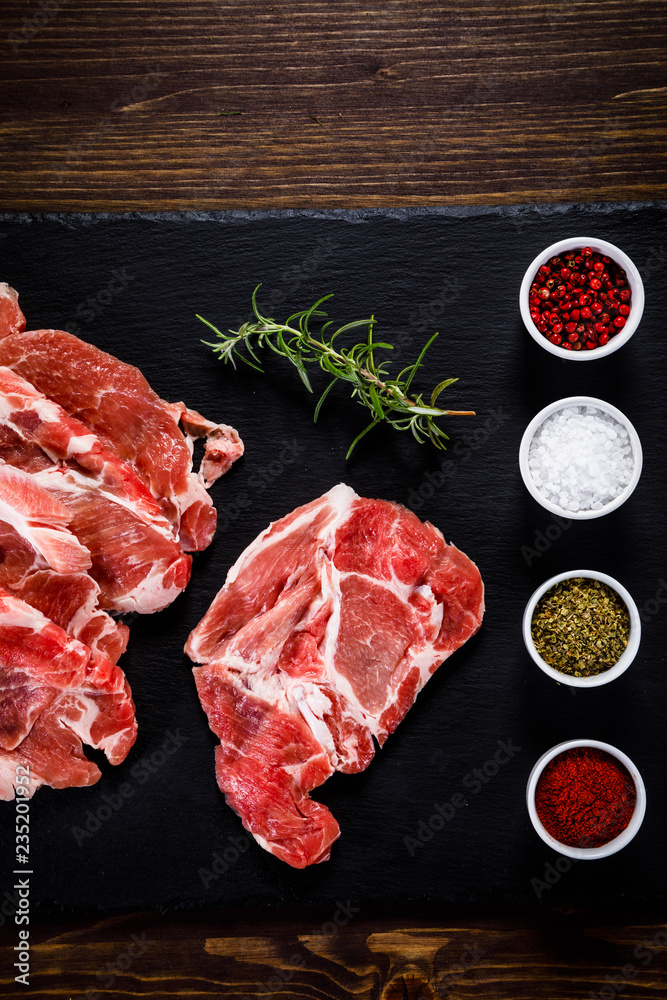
[116,105]
[533,955]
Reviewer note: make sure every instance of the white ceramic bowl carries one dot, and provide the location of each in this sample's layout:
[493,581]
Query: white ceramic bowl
[624,660]
[636,304]
[587,853]
[524,449]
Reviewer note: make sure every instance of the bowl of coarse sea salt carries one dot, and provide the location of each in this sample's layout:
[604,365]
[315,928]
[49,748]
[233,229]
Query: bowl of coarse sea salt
[580,457]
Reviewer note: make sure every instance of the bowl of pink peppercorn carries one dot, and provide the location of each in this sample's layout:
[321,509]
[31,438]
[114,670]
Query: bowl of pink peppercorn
[581,298]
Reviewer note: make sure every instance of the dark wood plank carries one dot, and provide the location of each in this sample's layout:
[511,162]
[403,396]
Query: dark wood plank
[532,955]
[116,105]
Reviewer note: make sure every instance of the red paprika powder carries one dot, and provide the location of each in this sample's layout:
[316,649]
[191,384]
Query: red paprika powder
[585,797]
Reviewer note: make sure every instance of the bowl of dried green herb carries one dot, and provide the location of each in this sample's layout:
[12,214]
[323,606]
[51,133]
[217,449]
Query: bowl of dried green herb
[582,628]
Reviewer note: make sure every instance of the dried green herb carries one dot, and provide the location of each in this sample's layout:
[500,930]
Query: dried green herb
[580,627]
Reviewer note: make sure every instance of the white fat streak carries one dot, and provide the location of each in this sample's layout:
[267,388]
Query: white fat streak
[81,444]
[48,411]
[307,697]
[352,706]
[11,516]
[6,412]
[148,596]
[336,496]
[194,493]
[271,848]
[21,615]
[253,676]
[71,481]
[425,659]
[82,727]
[18,614]
[86,612]
[332,590]
[8,781]
[248,555]
[25,529]
[312,703]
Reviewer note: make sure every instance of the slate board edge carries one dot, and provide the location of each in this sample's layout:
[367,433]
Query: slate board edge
[359,215]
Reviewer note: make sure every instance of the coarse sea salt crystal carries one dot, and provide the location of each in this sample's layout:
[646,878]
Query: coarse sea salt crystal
[580,458]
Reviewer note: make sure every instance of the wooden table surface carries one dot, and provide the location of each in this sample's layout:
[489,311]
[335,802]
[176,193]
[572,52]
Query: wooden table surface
[140,105]
[168,104]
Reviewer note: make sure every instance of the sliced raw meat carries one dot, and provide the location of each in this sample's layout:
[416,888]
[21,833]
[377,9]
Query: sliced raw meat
[11,318]
[43,563]
[117,403]
[327,627]
[71,601]
[136,561]
[55,694]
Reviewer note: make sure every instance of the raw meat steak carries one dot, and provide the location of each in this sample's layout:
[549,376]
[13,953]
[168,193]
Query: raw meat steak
[12,319]
[45,564]
[115,401]
[327,627]
[55,694]
[136,561]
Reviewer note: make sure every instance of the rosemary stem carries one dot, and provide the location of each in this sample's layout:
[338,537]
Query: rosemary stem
[320,346]
[374,378]
[371,385]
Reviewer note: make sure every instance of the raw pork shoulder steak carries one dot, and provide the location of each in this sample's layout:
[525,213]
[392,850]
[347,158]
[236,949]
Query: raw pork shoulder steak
[55,694]
[114,400]
[136,560]
[44,564]
[326,629]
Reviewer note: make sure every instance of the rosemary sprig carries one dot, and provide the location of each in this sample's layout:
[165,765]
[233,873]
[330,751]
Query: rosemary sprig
[386,398]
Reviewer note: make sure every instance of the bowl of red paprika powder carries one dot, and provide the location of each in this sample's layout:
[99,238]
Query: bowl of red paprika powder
[581,298]
[586,799]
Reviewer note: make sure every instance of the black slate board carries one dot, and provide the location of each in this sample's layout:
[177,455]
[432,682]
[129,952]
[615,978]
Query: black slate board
[457,271]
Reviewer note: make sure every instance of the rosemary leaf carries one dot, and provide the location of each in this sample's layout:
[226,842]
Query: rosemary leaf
[386,398]
[322,398]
